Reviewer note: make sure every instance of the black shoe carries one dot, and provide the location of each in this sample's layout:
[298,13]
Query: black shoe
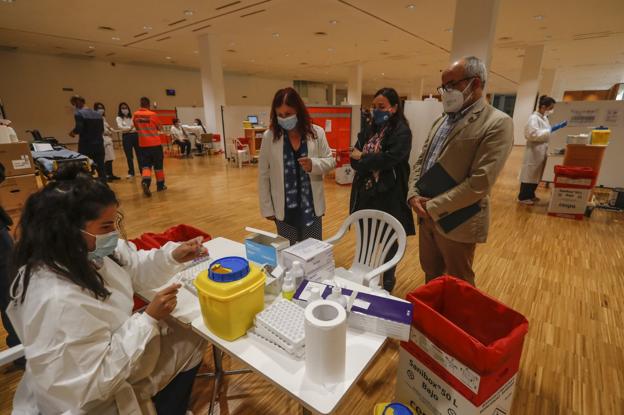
[115,177]
[146,189]
[161,188]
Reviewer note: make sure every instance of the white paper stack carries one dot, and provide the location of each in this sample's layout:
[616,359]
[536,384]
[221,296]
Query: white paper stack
[282,325]
[316,257]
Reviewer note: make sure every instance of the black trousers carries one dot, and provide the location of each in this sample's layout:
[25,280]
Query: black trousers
[175,397]
[389,279]
[185,146]
[527,191]
[297,234]
[95,153]
[6,246]
[130,142]
[152,157]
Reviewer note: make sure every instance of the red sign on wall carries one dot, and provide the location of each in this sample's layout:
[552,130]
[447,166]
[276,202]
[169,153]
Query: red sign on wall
[336,121]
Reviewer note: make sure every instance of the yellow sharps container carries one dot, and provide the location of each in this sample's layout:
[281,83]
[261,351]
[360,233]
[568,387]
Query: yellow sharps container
[231,293]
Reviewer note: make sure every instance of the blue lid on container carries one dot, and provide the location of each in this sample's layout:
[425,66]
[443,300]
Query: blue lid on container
[229,269]
[398,409]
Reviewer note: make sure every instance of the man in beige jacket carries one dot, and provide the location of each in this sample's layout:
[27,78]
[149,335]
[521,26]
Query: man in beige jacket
[471,143]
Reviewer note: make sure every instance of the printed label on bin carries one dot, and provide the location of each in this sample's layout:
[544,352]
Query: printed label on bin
[22,163]
[577,182]
[427,394]
[463,373]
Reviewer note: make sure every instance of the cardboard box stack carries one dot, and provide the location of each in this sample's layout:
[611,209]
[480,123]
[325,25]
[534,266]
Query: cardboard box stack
[20,176]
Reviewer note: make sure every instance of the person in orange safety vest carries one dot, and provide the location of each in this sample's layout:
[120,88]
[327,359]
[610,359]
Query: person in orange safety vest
[148,127]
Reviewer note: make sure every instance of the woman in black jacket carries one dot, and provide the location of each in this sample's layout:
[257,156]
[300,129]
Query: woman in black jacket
[380,159]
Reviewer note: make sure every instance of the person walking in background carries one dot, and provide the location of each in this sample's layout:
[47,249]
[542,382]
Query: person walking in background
[148,127]
[89,127]
[180,138]
[537,132]
[380,159]
[468,147]
[109,148]
[294,156]
[129,137]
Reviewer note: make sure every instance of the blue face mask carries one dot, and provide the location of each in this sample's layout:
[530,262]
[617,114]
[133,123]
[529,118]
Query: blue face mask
[380,117]
[105,245]
[287,123]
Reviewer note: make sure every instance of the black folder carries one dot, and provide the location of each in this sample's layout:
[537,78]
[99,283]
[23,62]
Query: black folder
[436,181]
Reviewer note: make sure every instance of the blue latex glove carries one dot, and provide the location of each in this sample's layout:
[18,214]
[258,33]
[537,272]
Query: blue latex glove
[558,126]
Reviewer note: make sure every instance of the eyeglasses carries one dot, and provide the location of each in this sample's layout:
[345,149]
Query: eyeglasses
[451,85]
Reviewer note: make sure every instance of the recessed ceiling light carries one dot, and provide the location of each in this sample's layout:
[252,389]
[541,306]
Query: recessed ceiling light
[115,38]
[504,38]
[253,60]
[188,12]
[411,6]
[320,33]
[331,49]
[276,34]
[8,1]
[333,22]
[196,52]
[449,29]
[538,17]
[146,27]
[231,50]
[91,47]
[383,74]
[168,57]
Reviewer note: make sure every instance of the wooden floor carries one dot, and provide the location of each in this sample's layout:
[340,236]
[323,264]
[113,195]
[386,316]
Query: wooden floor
[566,277]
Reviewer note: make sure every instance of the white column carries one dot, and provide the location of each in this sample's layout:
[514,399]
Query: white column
[559,86]
[417,90]
[474,29]
[527,90]
[333,95]
[213,89]
[354,88]
[547,82]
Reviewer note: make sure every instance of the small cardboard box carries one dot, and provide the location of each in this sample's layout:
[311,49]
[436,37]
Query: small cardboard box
[15,190]
[316,258]
[17,159]
[426,393]
[264,249]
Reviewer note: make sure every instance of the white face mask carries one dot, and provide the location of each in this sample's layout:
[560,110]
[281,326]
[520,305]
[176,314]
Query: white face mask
[549,113]
[454,100]
[125,111]
[100,110]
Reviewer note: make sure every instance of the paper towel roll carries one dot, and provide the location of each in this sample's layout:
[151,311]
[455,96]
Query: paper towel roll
[325,342]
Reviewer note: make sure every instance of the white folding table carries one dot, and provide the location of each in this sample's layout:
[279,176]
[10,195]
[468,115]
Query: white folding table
[284,371]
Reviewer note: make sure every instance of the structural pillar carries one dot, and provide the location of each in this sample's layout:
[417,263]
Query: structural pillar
[527,90]
[213,89]
[474,29]
[547,82]
[354,89]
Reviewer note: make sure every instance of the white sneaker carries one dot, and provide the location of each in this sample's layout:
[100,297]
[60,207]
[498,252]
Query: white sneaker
[528,202]
[130,176]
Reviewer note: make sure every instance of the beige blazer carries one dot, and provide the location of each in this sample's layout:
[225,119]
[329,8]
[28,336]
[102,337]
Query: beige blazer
[271,173]
[474,154]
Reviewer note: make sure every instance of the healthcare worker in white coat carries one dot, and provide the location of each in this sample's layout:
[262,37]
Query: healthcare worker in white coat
[109,148]
[537,132]
[72,300]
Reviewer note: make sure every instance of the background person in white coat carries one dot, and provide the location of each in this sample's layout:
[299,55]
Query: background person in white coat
[74,279]
[109,147]
[537,132]
[294,156]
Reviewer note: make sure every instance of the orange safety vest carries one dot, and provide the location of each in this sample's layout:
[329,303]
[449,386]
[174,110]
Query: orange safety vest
[147,125]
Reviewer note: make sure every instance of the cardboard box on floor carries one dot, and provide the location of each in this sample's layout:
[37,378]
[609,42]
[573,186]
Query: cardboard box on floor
[17,159]
[15,190]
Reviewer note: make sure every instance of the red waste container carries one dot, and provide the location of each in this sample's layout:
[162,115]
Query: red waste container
[573,188]
[467,338]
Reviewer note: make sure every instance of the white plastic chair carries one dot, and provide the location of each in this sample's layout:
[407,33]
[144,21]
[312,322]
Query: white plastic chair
[375,233]
[242,153]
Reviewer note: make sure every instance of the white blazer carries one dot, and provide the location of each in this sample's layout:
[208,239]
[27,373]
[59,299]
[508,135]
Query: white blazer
[537,133]
[271,173]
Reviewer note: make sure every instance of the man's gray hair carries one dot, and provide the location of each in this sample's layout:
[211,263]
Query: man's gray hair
[474,67]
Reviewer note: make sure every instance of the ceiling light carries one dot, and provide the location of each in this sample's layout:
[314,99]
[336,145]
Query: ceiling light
[333,22]
[411,6]
[331,50]
[383,74]
[196,52]
[168,57]
[188,12]
[276,34]
[287,55]
[449,29]
[115,38]
[538,17]
[146,27]
[253,60]
[8,1]
[231,50]
[91,47]
[320,33]
[504,38]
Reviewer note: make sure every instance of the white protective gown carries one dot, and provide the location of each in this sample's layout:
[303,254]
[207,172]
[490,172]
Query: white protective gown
[537,133]
[109,148]
[89,356]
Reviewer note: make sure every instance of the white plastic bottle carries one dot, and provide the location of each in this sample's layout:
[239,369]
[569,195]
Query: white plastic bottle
[297,271]
[337,297]
[288,287]
[315,294]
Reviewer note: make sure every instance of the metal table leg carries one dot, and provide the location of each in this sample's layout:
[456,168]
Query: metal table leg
[218,374]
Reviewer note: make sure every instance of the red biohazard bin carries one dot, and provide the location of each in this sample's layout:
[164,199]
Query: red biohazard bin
[573,188]
[470,340]
[343,157]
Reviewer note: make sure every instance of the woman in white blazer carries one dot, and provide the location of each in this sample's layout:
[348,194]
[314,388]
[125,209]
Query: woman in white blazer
[537,133]
[294,156]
